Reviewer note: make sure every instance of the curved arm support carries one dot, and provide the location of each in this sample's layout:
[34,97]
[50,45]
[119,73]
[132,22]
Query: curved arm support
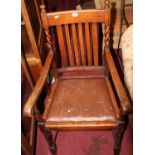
[125,103]
[30,104]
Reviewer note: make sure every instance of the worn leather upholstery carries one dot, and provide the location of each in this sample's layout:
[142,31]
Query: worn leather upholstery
[81,100]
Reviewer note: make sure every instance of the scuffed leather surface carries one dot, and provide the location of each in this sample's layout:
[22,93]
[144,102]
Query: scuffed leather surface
[81,100]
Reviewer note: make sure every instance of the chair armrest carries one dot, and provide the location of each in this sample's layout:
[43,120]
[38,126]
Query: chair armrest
[124,100]
[30,104]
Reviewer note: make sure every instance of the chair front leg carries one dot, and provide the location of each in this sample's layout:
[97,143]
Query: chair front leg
[118,134]
[51,143]
[46,132]
[49,138]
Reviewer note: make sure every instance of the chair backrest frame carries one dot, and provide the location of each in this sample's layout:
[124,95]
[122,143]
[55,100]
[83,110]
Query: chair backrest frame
[74,29]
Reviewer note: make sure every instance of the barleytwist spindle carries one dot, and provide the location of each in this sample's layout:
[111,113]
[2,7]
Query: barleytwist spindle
[45,25]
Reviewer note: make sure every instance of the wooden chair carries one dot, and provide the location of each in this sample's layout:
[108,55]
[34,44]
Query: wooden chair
[82,96]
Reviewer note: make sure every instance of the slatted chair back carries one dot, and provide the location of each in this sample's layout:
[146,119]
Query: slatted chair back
[77,34]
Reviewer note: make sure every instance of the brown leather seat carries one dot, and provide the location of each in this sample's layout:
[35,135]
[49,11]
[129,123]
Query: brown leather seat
[82,101]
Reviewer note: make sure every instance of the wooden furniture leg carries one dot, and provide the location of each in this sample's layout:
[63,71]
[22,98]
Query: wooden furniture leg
[26,147]
[49,138]
[118,136]
[46,132]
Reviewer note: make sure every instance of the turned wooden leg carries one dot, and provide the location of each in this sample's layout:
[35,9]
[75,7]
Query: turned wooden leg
[49,138]
[47,133]
[118,136]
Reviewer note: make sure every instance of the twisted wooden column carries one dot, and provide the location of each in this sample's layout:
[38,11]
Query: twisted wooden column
[49,43]
[107,25]
[45,24]
[107,37]
[48,37]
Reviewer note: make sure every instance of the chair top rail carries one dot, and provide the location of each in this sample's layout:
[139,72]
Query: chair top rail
[77,16]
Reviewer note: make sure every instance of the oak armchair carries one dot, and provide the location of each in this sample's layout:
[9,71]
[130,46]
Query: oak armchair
[81,95]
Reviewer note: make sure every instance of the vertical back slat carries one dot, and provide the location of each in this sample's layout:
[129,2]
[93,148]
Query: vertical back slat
[83,57]
[69,47]
[62,46]
[95,43]
[89,54]
[75,44]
